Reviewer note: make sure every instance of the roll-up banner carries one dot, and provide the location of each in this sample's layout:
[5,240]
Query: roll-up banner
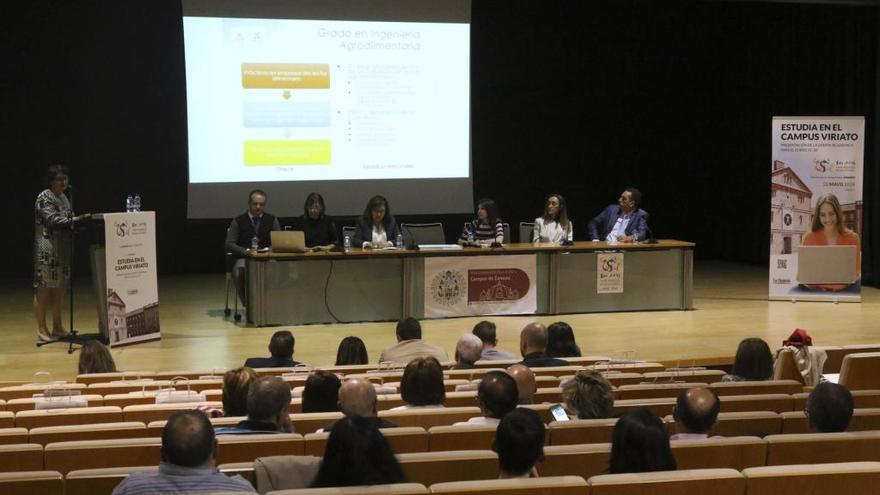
[816,208]
[132,288]
[480,285]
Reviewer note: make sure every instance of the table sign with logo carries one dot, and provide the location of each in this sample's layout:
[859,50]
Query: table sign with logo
[609,273]
[480,285]
[132,290]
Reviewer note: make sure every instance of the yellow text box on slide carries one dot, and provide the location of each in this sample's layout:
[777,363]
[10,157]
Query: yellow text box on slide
[287,152]
[285,76]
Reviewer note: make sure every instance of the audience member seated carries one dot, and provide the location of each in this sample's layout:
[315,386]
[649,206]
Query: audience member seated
[753,362]
[588,396]
[640,444]
[519,442]
[485,331]
[560,341]
[352,350]
[497,395]
[268,408]
[525,383]
[422,384]
[695,413]
[357,454]
[188,452]
[236,384]
[281,349]
[467,351]
[533,343]
[410,345]
[321,393]
[829,408]
[95,357]
[357,397]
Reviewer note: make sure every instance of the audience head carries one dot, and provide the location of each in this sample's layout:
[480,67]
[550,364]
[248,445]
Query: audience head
[314,206]
[490,210]
[588,395]
[468,349]
[321,393]
[269,401]
[525,382]
[357,397]
[357,454]
[696,410]
[485,331]
[560,341]
[95,357]
[281,345]
[409,329]
[533,338]
[829,408]
[257,202]
[519,441]
[639,444]
[422,382]
[753,360]
[236,384]
[188,440]
[497,394]
[352,350]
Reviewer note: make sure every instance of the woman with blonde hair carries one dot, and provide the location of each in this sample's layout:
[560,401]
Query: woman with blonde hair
[236,384]
[588,396]
[828,229]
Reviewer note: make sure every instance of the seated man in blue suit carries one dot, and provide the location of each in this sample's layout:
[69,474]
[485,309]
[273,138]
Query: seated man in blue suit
[623,222]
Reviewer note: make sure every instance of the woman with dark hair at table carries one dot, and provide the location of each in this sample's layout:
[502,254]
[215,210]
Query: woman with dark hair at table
[319,229]
[487,227]
[53,247]
[352,350]
[376,228]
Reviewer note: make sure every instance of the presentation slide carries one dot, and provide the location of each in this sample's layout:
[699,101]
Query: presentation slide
[323,100]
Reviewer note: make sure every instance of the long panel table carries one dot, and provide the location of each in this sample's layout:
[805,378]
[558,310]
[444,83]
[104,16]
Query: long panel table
[376,285]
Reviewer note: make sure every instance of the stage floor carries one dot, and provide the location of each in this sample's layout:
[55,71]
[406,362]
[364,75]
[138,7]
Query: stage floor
[729,304]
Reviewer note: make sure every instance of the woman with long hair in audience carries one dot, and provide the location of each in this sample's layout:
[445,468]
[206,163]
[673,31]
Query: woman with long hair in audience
[95,357]
[487,227]
[352,350]
[553,225]
[376,228]
[422,384]
[560,341]
[640,444]
[753,362]
[588,395]
[357,454]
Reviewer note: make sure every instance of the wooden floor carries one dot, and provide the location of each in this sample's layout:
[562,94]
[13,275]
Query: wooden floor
[730,304]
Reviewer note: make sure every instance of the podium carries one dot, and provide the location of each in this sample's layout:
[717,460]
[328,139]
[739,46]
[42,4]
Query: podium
[123,262]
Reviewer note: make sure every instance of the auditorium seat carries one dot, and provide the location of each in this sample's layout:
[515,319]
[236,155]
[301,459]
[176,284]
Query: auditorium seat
[471,374]
[463,437]
[401,439]
[245,448]
[243,469]
[634,367]
[311,422]
[7,419]
[192,375]
[89,454]
[785,367]
[862,399]
[63,417]
[32,483]
[422,233]
[21,457]
[860,478]
[543,411]
[496,363]
[116,388]
[683,482]
[426,418]
[156,412]
[660,407]
[653,390]
[581,431]
[833,357]
[16,405]
[428,468]
[862,420]
[689,376]
[350,369]
[125,400]
[584,460]
[13,435]
[758,402]
[556,371]
[815,448]
[585,360]
[116,376]
[154,428]
[28,391]
[552,395]
[758,387]
[615,378]
[728,452]
[860,371]
[555,485]
[395,489]
[99,431]
[748,423]
[100,481]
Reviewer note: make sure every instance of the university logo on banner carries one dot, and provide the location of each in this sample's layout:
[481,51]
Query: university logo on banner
[609,273]
[477,285]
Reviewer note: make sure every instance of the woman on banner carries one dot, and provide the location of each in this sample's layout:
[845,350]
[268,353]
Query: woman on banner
[486,228]
[376,228]
[828,229]
[554,225]
[53,246]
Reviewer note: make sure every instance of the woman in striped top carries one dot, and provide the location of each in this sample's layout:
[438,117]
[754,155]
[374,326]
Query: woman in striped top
[487,227]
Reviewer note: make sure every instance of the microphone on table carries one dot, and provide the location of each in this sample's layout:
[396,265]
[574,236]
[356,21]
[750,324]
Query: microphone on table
[650,239]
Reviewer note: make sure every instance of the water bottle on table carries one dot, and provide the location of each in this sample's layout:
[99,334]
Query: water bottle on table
[255,243]
[136,202]
[129,203]
[398,241]
[346,247]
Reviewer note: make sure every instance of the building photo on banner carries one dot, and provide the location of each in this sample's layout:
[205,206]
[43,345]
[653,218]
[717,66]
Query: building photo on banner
[816,208]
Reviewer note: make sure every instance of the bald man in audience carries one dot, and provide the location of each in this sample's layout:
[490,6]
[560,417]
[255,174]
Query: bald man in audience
[533,343]
[525,383]
[467,351]
[695,413]
[357,397]
[268,407]
[497,395]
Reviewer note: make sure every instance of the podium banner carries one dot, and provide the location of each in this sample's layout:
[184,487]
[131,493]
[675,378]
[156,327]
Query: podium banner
[816,208]
[480,285]
[132,288]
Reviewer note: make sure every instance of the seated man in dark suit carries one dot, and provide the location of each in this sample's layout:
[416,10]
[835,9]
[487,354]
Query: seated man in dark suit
[242,230]
[623,222]
[268,409]
[533,343]
[281,349]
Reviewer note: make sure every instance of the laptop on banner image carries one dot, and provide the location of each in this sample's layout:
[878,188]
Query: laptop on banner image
[290,241]
[827,265]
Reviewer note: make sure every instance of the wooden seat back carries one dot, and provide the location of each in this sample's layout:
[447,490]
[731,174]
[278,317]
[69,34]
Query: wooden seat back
[88,454]
[758,387]
[13,435]
[429,468]
[65,417]
[401,439]
[816,448]
[581,431]
[305,423]
[395,489]
[683,482]
[728,452]
[860,371]
[428,417]
[100,431]
[583,460]
[653,390]
[157,412]
[759,402]
[21,457]
[100,481]
[32,483]
[847,477]
[462,437]
[557,485]
[246,448]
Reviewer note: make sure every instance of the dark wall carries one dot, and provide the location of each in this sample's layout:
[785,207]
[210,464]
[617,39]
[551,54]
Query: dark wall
[580,98]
